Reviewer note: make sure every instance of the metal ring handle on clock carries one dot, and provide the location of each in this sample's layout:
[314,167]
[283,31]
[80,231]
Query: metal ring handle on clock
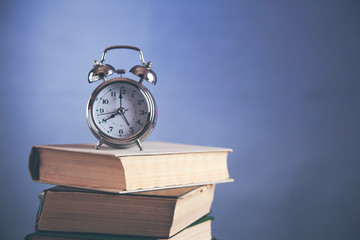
[122,46]
[101,70]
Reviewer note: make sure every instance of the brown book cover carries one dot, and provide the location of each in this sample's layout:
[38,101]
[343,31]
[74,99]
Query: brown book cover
[199,230]
[157,214]
[160,165]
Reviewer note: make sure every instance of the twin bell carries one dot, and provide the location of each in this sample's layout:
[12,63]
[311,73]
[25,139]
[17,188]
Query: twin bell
[102,71]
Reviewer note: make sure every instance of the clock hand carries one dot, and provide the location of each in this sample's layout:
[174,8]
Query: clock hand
[108,112]
[120,96]
[123,115]
[122,110]
[112,116]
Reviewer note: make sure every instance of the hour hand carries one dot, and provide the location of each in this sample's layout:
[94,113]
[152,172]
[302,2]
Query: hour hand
[112,115]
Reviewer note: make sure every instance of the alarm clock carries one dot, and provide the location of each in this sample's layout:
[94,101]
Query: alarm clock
[121,112]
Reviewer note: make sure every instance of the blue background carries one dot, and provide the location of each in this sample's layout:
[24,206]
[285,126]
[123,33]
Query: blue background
[277,81]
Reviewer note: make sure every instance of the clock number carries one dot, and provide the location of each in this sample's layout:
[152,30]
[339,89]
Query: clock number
[140,102]
[138,122]
[105,101]
[131,130]
[142,112]
[132,94]
[122,90]
[111,128]
[113,94]
[121,131]
[101,110]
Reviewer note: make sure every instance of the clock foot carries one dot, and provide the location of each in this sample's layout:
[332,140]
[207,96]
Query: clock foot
[138,143]
[101,141]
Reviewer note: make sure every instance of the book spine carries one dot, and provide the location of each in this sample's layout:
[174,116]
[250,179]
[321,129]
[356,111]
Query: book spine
[41,203]
[34,161]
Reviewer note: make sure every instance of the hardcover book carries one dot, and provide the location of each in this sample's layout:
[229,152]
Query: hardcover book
[156,214]
[160,165]
[199,230]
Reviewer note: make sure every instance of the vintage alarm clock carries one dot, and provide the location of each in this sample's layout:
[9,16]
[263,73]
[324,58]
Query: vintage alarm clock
[121,112]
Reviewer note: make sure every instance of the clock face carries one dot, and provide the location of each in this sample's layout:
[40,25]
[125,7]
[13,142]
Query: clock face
[120,110]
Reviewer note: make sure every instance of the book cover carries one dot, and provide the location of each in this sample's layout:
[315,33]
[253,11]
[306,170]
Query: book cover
[161,165]
[158,214]
[200,230]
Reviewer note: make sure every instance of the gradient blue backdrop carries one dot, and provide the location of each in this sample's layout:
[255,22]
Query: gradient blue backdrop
[277,81]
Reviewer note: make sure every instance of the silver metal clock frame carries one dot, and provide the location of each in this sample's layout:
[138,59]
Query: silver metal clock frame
[129,141]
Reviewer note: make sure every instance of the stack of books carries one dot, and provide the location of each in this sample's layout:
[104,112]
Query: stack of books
[163,192]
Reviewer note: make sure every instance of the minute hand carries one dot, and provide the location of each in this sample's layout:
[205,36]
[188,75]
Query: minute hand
[120,96]
[122,110]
